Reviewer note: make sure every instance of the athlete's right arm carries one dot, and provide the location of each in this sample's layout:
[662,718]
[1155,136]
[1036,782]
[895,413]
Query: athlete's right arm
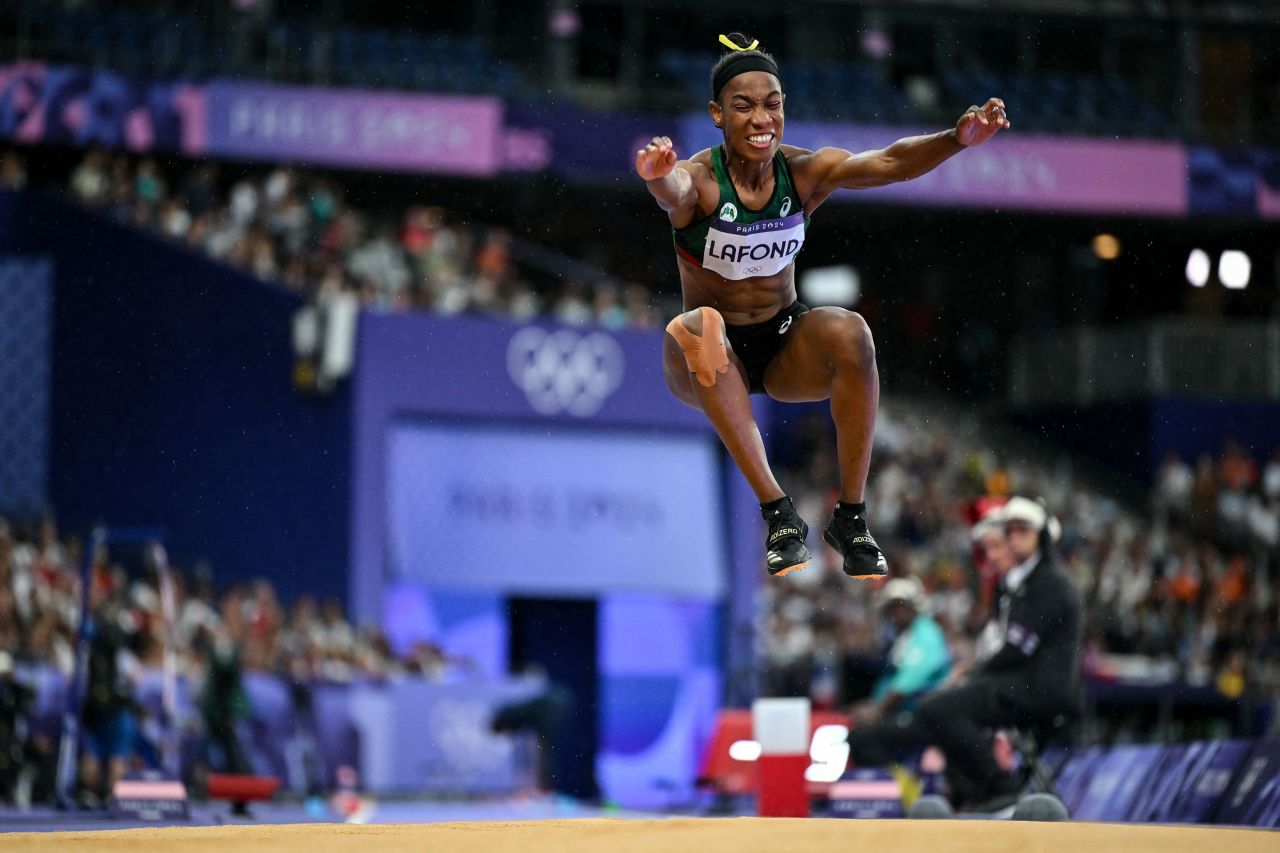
[669,181]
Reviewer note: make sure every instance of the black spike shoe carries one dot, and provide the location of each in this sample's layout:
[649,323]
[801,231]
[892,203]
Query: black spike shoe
[847,533]
[785,550]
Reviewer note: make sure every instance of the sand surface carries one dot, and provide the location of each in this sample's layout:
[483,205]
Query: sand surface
[714,835]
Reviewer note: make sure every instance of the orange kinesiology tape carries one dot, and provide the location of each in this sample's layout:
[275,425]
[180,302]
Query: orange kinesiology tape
[705,361]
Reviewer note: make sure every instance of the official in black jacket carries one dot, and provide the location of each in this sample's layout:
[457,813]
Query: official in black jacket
[1031,678]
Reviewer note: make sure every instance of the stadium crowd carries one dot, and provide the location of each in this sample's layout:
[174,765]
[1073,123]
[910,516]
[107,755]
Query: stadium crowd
[1181,591]
[296,228]
[216,637]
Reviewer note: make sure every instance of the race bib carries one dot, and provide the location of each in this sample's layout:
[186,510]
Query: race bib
[737,251]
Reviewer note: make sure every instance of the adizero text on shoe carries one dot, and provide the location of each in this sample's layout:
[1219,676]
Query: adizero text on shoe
[785,550]
[863,558]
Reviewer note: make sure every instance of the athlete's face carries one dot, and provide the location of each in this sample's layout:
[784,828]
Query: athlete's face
[750,114]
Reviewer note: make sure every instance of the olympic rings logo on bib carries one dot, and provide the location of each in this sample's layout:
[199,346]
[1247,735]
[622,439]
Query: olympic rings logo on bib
[564,371]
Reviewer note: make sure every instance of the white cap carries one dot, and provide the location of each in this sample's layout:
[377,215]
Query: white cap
[989,523]
[1055,530]
[1024,509]
[907,590]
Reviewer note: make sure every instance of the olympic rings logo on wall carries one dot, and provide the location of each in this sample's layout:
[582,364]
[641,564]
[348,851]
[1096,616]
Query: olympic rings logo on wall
[565,371]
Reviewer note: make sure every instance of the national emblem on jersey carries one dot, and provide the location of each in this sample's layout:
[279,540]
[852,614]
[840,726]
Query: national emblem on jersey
[729,212]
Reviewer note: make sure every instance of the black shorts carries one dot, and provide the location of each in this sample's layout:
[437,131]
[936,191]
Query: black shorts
[758,343]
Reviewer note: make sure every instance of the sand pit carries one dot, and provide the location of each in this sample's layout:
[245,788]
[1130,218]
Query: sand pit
[727,835]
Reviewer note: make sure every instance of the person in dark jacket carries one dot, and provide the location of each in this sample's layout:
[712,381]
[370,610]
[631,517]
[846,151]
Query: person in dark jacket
[1032,677]
[1027,671]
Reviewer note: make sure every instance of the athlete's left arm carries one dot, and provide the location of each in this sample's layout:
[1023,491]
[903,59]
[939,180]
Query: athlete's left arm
[908,158]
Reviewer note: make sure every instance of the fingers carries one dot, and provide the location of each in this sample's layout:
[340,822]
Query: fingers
[659,143]
[994,111]
[656,158]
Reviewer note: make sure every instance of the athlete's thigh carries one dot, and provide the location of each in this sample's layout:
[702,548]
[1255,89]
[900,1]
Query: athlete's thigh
[680,380]
[804,367]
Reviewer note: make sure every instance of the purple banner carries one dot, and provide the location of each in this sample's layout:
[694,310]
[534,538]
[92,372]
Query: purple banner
[1202,791]
[1116,781]
[356,129]
[577,143]
[1254,797]
[1009,172]
[54,105]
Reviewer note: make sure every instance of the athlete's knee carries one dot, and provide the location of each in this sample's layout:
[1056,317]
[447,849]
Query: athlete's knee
[700,334]
[851,338]
[673,370]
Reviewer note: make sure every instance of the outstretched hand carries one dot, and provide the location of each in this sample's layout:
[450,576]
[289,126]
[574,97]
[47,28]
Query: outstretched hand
[978,124]
[657,159]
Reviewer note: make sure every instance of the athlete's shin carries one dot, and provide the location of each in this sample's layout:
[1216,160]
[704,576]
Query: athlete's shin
[855,397]
[701,337]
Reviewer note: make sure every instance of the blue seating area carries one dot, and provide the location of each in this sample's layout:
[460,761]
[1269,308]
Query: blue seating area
[152,43]
[1057,102]
[380,58]
[183,45]
[859,91]
[833,91]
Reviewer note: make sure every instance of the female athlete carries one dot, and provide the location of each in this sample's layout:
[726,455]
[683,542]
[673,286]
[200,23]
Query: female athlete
[739,213]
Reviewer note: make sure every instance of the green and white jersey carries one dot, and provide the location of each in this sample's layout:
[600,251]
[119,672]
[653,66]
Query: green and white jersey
[738,242]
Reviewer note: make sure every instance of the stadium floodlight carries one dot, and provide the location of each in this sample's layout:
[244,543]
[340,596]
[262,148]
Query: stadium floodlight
[1106,246]
[1233,269]
[1198,267]
[839,285]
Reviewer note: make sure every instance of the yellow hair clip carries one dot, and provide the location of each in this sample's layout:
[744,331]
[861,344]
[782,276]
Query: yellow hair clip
[727,42]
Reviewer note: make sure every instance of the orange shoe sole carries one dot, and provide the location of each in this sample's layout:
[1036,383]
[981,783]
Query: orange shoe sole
[789,569]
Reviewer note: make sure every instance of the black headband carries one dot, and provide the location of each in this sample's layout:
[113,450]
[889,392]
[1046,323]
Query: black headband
[741,63]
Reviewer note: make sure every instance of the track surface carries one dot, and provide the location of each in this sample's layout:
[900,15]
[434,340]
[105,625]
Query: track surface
[711,835]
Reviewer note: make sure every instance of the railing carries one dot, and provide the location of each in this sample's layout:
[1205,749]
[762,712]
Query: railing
[1237,360]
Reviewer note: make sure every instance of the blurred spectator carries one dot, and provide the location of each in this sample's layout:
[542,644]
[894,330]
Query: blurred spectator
[918,661]
[89,180]
[1174,483]
[223,703]
[13,171]
[109,712]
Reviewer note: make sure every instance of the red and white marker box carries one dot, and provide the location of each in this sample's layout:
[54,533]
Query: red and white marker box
[781,728]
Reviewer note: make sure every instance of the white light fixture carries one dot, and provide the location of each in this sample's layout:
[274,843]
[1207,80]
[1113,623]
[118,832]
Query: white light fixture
[1233,269]
[1198,266]
[839,285]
